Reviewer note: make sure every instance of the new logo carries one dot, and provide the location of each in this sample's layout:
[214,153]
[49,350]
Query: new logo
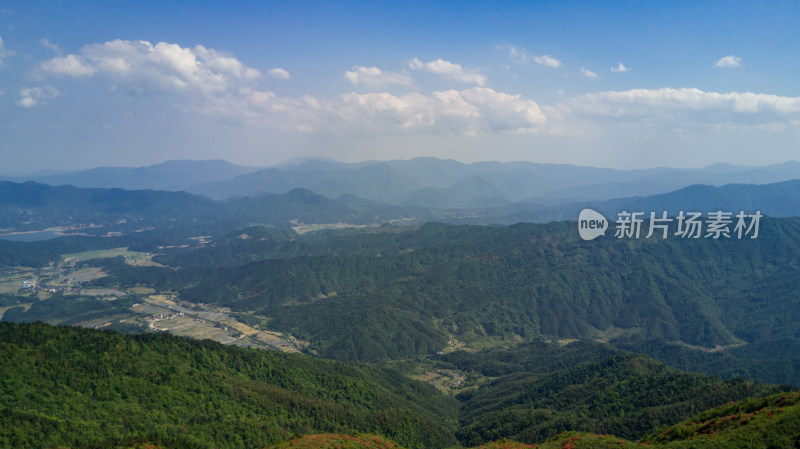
[591,224]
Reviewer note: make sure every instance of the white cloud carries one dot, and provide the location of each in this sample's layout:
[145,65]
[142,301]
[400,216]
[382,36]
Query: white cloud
[588,73]
[516,54]
[729,61]
[227,91]
[32,96]
[681,108]
[547,60]
[144,67]
[620,68]
[466,112]
[502,111]
[696,99]
[280,74]
[70,65]
[449,70]
[207,60]
[49,45]
[375,77]
[521,56]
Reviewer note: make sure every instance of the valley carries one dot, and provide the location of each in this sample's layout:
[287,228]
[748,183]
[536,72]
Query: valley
[70,280]
[515,332]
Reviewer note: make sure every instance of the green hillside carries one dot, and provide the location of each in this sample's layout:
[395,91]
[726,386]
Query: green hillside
[770,422]
[626,396]
[62,386]
[767,422]
[406,296]
[81,388]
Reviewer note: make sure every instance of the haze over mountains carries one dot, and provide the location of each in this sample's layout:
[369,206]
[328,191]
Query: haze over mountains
[170,175]
[31,206]
[190,193]
[421,182]
[780,199]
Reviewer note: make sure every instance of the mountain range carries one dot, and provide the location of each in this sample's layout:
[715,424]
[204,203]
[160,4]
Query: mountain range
[780,199]
[170,175]
[421,182]
[31,206]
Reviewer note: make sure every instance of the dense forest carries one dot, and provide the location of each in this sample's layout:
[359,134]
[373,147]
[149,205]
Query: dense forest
[64,386]
[386,295]
[81,388]
[626,396]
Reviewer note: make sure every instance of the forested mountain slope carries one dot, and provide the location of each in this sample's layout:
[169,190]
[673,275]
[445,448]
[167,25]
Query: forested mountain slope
[81,388]
[522,281]
[64,386]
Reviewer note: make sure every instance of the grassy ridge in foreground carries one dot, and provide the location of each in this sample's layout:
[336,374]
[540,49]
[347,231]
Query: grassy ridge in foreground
[81,388]
[772,421]
[768,422]
[64,386]
[626,395]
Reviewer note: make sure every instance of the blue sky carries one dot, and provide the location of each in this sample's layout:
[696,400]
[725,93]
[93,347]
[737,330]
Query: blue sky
[613,84]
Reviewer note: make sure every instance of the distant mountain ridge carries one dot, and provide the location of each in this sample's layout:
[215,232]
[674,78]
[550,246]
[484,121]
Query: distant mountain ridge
[170,175]
[780,199]
[420,182]
[436,183]
[33,206]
